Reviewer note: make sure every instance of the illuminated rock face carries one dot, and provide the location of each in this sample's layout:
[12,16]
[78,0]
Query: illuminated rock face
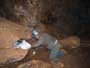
[11,32]
[70,42]
[8,55]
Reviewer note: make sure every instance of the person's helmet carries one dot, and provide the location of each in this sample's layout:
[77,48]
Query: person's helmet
[35,33]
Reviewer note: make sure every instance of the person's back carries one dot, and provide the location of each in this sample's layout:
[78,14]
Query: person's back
[49,40]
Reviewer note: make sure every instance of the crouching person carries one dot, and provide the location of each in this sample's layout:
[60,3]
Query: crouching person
[51,43]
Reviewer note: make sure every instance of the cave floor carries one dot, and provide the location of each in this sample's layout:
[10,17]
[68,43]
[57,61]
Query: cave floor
[77,58]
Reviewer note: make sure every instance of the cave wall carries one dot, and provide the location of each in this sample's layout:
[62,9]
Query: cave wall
[6,8]
[69,17]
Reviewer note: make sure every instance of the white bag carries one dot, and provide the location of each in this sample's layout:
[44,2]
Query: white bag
[23,45]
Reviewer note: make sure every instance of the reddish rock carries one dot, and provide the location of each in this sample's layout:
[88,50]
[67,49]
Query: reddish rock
[10,32]
[71,42]
[11,55]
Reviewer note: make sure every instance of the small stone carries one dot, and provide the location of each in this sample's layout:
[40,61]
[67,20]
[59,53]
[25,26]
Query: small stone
[34,52]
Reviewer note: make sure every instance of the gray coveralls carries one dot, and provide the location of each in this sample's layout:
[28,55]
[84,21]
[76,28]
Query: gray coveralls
[52,43]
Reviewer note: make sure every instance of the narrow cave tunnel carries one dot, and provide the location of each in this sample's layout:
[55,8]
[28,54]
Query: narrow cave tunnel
[68,17]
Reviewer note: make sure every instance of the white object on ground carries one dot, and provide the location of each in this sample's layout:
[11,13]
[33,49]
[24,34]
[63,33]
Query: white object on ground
[24,45]
[34,52]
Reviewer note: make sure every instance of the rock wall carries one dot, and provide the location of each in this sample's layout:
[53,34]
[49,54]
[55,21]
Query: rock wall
[67,16]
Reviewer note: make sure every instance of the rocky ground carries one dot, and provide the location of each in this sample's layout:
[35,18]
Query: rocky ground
[75,59]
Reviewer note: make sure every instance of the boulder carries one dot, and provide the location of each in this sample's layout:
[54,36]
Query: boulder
[8,55]
[71,42]
[10,32]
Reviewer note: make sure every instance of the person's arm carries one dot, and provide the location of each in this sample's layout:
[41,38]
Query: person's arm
[38,43]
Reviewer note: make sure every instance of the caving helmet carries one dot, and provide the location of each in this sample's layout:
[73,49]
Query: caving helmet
[35,33]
